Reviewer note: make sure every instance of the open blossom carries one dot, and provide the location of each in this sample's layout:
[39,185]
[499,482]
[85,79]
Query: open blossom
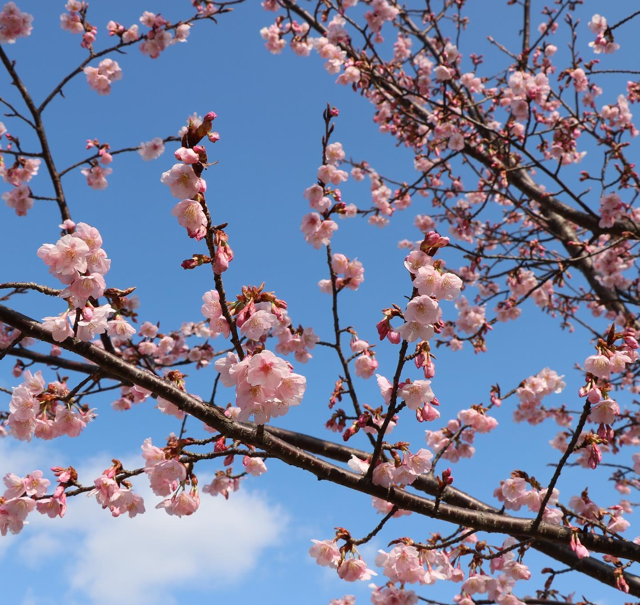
[181,505]
[14,24]
[100,78]
[317,231]
[22,171]
[97,176]
[273,40]
[191,216]
[182,181]
[157,41]
[59,326]
[258,324]
[254,466]
[151,150]
[365,366]
[222,484]
[93,323]
[19,198]
[265,385]
[352,570]
[326,553]
[416,394]
[423,310]
[598,365]
[125,501]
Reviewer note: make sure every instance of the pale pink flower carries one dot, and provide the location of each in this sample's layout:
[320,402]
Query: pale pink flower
[66,257]
[258,325]
[384,474]
[19,198]
[14,24]
[97,176]
[184,504]
[416,394]
[93,322]
[442,73]
[191,216]
[385,387]
[365,366]
[19,508]
[165,476]
[412,331]
[352,570]
[598,365]
[151,150]
[254,466]
[121,328]
[166,407]
[126,501]
[360,466]
[265,369]
[59,326]
[69,421]
[100,78]
[326,553]
[23,406]
[15,486]
[152,454]
[605,412]
[182,181]
[222,484]
[83,288]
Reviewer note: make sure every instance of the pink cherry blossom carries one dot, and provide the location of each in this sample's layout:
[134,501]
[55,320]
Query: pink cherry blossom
[14,24]
[326,553]
[182,181]
[100,78]
[352,570]
[151,150]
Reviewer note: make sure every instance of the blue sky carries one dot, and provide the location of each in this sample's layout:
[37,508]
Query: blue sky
[269,107]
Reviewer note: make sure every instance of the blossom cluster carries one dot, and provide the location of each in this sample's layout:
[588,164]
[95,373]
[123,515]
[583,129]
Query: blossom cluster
[398,472]
[498,588]
[75,22]
[100,78]
[185,182]
[514,493]
[151,150]
[532,391]
[366,363]
[349,274]
[21,172]
[604,38]
[318,226]
[44,410]
[454,440]
[351,569]
[589,511]
[14,24]
[168,477]
[116,496]
[19,499]
[79,262]
[422,315]
[266,386]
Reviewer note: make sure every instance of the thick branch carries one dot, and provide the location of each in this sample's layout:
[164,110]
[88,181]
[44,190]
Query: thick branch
[215,418]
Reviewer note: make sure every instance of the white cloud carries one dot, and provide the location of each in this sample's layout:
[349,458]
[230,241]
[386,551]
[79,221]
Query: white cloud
[155,553]
[148,559]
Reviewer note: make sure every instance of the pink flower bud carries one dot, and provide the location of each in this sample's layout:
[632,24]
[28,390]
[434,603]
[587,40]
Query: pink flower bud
[394,337]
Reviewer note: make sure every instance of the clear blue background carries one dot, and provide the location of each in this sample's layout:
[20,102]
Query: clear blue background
[270,124]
